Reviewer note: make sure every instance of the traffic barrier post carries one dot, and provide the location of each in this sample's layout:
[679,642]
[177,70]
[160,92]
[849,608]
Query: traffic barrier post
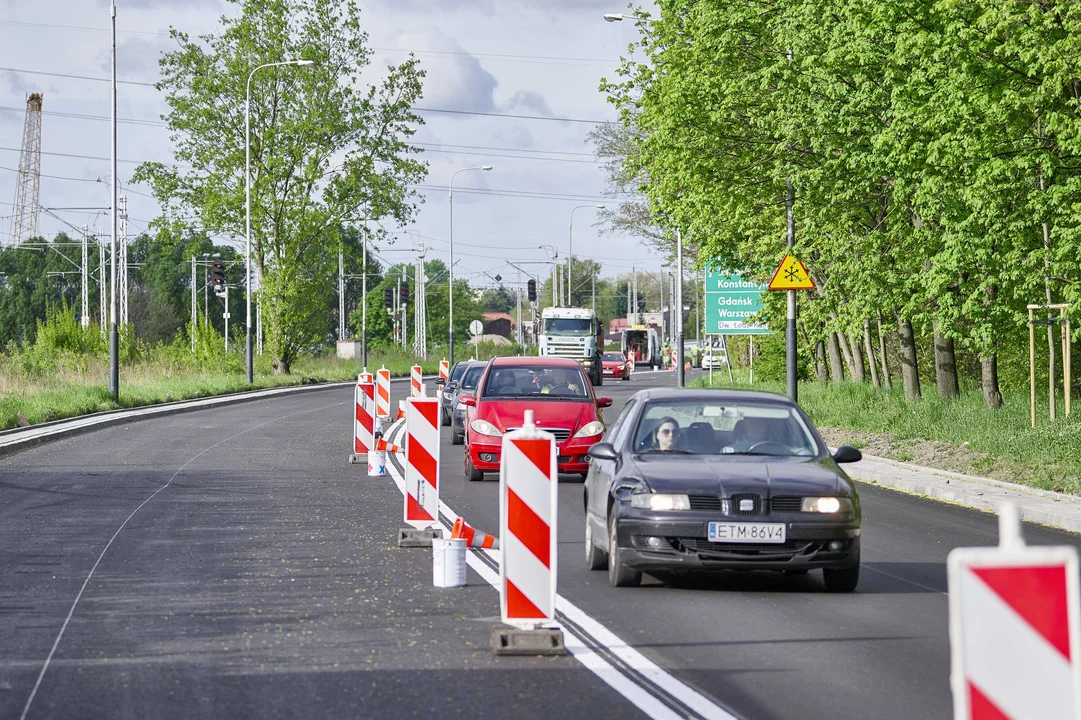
[444,370]
[421,472]
[415,387]
[382,393]
[1014,643]
[528,497]
[363,421]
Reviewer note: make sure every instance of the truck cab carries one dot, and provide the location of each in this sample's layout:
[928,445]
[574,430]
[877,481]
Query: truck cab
[573,333]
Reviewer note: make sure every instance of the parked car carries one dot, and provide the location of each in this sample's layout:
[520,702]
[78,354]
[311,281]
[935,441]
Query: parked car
[466,386]
[614,365]
[558,393]
[719,479]
[447,391]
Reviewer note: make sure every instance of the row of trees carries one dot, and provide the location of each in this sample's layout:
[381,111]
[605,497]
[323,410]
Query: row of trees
[930,148]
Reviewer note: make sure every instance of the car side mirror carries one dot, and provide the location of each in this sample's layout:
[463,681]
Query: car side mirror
[451,386]
[468,400]
[604,402]
[603,451]
[847,454]
[440,381]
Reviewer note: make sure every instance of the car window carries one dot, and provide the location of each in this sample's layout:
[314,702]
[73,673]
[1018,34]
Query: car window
[715,428]
[456,371]
[617,431]
[472,377]
[539,381]
[612,356]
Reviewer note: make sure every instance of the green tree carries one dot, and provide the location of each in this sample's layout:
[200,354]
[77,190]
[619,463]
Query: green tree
[327,150]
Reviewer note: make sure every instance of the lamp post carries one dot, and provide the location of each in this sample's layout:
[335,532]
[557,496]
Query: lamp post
[553,255]
[114,334]
[247,201]
[570,250]
[450,267]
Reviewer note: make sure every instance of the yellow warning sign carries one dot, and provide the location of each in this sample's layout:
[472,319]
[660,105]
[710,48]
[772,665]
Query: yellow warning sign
[791,275]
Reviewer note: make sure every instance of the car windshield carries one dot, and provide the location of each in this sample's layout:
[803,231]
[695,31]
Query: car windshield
[537,381]
[613,357]
[456,371]
[472,377]
[717,428]
[567,326]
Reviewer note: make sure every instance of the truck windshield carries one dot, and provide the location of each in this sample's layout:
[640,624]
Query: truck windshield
[568,326]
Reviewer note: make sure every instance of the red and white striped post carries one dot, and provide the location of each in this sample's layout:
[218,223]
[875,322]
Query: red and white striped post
[382,393]
[363,421]
[421,466]
[528,491]
[416,389]
[1014,642]
[365,377]
[444,370]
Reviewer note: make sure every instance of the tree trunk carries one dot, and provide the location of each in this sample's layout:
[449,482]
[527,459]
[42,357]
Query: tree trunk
[909,371]
[945,365]
[280,366]
[992,395]
[842,340]
[837,370]
[859,373]
[869,348]
[821,366]
[882,354]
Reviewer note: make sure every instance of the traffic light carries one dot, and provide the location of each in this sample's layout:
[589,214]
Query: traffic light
[388,297]
[405,293]
[217,276]
[531,290]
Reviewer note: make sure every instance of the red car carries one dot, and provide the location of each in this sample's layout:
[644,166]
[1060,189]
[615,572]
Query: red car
[558,393]
[614,365]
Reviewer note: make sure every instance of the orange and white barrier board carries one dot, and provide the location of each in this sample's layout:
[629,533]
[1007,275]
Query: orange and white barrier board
[415,387]
[444,370]
[422,462]
[527,526]
[382,393]
[1014,641]
[365,377]
[363,420]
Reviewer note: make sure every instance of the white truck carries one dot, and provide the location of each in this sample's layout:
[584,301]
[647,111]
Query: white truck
[643,344]
[573,333]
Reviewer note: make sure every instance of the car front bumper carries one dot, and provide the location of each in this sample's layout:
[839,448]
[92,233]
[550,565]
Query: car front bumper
[685,547]
[572,456]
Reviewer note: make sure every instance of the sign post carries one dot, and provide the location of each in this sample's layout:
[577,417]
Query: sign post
[475,329]
[1014,644]
[790,276]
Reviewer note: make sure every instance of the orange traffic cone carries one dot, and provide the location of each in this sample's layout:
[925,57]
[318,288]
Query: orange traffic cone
[687,365]
[383,445]
[401,410]
[473,537]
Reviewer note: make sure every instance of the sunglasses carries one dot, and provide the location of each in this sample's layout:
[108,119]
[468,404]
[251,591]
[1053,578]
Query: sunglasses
[668,431]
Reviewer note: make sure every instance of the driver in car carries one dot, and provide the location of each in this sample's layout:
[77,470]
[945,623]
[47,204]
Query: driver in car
[559,382]
[665,435]
[749,432]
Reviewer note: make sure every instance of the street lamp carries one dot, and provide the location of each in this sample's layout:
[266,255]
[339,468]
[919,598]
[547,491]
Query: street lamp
[247,201]
[570,250]
[617,17]
[450,268]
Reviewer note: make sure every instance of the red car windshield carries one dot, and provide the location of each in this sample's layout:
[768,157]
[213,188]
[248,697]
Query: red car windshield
[613,357]
[536,382]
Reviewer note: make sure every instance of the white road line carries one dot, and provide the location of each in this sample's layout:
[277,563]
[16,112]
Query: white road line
[602,668]
[56,643]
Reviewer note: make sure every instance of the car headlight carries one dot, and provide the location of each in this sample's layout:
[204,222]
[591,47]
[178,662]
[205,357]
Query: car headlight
[620,367]
[829,505]
[660,501]
[590,429]
[485,428]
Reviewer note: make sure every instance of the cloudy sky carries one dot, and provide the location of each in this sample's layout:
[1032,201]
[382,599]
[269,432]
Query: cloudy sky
[523,57]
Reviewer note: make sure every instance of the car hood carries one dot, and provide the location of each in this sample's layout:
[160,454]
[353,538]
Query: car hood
[728,475]
[612,363]
[546,413]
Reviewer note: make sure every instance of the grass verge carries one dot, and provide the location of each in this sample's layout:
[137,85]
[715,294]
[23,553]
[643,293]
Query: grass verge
[960,435]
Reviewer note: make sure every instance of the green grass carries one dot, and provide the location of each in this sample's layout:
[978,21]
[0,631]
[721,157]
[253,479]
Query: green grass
[71,394]
[1000,442]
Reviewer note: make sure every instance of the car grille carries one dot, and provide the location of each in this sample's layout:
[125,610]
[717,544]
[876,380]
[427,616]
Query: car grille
[706,502]
[707,550]
[735,501]
[567,349]
[786,504]
[560,433]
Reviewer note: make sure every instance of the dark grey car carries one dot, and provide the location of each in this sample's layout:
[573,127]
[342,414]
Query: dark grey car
[688,480]
[466,386]
[447,391]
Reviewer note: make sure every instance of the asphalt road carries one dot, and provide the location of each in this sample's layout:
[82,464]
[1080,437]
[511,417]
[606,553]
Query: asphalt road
[261,579]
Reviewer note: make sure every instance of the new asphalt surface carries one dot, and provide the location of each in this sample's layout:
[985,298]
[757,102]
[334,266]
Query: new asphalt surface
[256,575]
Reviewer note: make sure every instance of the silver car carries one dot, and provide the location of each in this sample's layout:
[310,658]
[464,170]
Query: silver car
[466,386]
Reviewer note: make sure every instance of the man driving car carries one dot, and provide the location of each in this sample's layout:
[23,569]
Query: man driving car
[559,382]
[749,431]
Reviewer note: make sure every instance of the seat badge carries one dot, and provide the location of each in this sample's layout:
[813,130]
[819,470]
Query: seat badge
[746,505]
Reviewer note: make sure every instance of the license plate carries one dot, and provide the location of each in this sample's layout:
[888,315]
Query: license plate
[746,532]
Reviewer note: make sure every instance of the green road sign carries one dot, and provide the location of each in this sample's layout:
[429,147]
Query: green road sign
[730,300]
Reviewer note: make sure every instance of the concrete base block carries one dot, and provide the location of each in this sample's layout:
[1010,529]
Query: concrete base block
[413,538]
[540,641]
[358,459]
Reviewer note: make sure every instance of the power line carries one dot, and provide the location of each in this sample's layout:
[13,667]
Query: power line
[415,108]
